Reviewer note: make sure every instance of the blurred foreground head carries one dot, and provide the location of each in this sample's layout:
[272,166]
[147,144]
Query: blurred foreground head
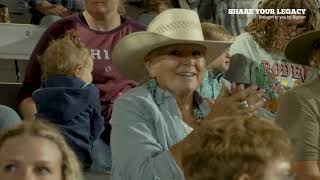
[37,151]
[238,148]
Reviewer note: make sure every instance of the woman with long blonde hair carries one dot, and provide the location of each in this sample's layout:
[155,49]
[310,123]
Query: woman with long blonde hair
[37,151]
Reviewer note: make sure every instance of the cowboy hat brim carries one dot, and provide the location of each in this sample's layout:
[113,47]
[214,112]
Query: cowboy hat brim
[128,55]
[299,49]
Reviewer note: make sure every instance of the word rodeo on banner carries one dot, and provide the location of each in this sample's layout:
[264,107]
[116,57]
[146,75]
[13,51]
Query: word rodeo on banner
[285,70]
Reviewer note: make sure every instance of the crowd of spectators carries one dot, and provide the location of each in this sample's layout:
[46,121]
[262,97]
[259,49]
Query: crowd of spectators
[182,90]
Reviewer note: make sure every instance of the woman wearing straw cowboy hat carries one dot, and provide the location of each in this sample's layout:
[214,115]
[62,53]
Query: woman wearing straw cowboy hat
[151,123]
[298,112]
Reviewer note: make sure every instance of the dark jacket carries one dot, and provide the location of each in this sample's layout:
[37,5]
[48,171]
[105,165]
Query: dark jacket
[73,106]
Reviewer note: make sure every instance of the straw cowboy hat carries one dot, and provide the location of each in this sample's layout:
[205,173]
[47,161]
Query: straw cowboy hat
[299,49]
[173,26]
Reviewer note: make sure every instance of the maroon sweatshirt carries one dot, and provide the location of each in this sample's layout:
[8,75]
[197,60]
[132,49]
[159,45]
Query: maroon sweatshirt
[106,78]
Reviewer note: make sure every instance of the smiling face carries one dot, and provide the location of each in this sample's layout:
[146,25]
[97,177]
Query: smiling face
[30,158]
[177,68]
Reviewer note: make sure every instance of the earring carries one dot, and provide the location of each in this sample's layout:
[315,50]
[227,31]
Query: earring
[152,85]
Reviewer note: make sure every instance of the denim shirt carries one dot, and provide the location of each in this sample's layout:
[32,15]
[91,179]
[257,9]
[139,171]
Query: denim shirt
[212,84]
[144,126]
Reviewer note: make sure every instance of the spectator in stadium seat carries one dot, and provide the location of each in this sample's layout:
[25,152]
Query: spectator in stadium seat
[36,151]
[237,148]
[67,98]
[151,123]
[60,8]
[99,27]
[214,76]
[298,112]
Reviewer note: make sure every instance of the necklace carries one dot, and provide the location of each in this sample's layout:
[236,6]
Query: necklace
[196,112]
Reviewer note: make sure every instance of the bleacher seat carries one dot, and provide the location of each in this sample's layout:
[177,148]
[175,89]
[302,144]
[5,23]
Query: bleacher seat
[17,41]
[8,93]
[96,176]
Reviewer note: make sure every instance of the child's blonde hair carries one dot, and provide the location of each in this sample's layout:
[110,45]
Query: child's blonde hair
[63,56]
[215,32]
[70,166]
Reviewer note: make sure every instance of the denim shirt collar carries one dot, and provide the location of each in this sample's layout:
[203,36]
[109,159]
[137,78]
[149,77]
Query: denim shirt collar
[160,96]
[215,75]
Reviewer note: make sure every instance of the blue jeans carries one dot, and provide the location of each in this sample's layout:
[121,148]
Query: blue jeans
[8,118]
[101,157]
